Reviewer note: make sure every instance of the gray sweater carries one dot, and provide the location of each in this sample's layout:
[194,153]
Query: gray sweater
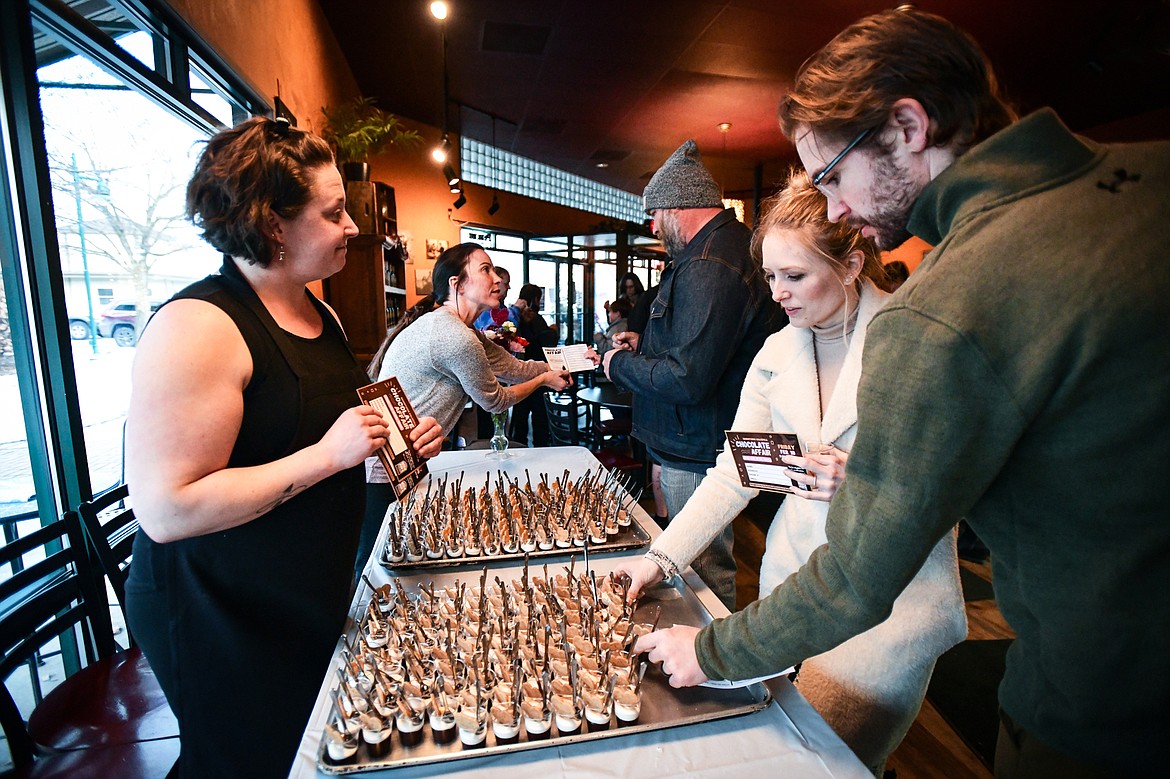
[441,362]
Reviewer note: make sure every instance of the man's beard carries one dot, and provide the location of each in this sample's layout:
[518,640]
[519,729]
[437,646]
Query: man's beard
[672,239]
[893,197]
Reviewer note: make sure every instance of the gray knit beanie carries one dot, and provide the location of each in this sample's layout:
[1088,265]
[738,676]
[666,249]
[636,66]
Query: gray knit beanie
[682,182]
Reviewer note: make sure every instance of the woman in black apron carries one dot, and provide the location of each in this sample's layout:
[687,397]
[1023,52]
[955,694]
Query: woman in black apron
[244,449]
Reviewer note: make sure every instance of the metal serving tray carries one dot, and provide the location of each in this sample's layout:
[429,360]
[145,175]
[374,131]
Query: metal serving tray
[662,705]
[630,537]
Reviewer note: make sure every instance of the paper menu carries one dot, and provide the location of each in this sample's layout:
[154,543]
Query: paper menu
[404,467]
[757,458]
[572,358]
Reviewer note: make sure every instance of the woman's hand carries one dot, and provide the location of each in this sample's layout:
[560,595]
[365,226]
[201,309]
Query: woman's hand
[642,573]
[674,648]
[356,435]
[557,380]
[825,473]
[427,437]
[593,356]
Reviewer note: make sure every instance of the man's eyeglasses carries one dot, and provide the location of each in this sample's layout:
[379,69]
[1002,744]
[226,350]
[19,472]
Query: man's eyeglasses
[817,179]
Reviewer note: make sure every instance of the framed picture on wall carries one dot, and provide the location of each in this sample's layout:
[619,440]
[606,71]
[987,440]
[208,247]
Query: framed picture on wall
[422,281]
[435,247]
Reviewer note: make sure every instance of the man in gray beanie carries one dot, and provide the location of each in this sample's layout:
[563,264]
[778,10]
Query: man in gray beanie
[712,313]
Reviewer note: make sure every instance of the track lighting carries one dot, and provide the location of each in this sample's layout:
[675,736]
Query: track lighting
[453,181]
[495,206]
[461,200]
[442,151]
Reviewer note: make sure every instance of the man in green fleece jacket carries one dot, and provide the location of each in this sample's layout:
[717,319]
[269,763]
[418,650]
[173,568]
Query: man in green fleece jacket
[1020,378]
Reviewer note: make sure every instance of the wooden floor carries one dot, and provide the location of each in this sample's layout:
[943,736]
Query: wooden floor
[932,749]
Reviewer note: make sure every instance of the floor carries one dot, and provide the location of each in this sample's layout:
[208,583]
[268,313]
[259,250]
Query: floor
[932,749]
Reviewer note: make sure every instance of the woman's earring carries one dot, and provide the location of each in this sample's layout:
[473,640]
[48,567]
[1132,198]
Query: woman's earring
[280,254]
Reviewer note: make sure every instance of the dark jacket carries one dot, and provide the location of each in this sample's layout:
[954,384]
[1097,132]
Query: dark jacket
[712,313]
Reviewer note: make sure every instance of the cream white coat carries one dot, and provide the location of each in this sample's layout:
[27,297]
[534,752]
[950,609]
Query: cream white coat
[870,688]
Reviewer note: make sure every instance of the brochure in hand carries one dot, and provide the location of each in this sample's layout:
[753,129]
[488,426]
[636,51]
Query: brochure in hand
[757,458]
[572,358]
[404,467]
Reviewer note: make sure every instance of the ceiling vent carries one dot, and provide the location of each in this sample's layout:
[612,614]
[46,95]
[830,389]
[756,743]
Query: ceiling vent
[507,38]
[609,155]
[543,126]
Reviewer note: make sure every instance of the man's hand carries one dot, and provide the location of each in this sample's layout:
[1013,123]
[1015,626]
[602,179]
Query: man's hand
[675,649]
[606,359]
[627,340]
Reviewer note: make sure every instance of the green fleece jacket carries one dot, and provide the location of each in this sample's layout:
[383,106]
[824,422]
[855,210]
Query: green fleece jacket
[1021,378]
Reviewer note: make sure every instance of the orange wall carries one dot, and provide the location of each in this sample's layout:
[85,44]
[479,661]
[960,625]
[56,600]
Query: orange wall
[910,253]
[271,42]
[297,49]
[290,42]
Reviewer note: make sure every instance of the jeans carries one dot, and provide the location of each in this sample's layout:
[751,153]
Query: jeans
[715,564]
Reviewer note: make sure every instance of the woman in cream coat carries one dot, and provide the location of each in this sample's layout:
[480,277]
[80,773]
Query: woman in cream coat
[804,381]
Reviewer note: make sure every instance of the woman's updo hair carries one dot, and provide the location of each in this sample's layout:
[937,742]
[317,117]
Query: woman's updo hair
[452,262]
[260,165]
[802,208]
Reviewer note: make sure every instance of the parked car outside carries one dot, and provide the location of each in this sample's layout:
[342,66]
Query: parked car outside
[118,322]
[78,328]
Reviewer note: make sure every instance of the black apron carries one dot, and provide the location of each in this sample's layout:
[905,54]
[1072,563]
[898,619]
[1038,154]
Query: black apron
[240,625]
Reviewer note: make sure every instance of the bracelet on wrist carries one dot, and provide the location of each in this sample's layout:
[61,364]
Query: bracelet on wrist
[669,569]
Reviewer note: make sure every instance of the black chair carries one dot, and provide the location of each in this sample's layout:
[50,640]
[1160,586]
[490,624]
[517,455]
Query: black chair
[567,419]
[49,599]
[110,534]
[140,711]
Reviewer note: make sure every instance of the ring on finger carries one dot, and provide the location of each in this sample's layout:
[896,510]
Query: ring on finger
[814,482]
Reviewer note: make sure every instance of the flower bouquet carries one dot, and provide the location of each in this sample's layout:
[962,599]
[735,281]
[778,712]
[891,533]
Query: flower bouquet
[505,334]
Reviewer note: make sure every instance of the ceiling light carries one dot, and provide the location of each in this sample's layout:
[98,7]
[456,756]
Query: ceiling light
[441,152]
[461,200]
[453,180]
[495,206]
[724,126]
[439,10]
[602,165]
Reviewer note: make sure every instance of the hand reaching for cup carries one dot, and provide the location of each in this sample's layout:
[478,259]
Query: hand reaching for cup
[642,572]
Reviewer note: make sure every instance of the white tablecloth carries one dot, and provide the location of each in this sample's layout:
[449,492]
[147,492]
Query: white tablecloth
[787,739]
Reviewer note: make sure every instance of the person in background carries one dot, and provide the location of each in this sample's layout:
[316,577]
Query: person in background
[534,329]
[804,381]
[630,287]
[244,445]
[710,317]
[896,274]
[487,321]
[636,323]
[442,361]
[1020,352]
[617,312]
[497,315]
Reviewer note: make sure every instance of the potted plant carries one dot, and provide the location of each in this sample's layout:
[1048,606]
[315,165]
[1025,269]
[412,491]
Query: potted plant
[358,129]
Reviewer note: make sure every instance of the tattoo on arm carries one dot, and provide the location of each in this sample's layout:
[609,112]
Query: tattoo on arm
[287,494]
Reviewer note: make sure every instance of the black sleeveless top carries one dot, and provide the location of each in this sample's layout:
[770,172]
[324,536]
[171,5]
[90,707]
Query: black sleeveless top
[240,624]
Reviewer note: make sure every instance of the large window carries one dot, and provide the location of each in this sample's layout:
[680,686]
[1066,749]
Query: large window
[119,165]
[104,103]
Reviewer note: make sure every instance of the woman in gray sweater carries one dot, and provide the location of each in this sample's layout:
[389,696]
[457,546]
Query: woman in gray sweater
[442,361]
